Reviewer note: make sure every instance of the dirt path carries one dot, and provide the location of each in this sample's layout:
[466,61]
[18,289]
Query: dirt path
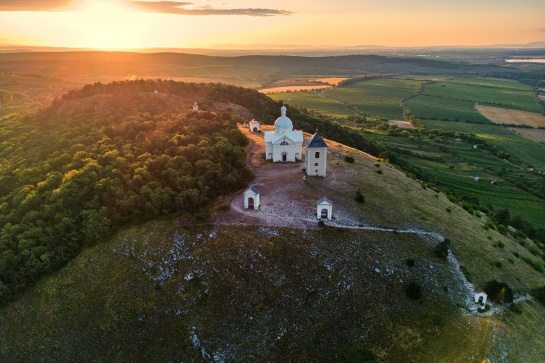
[287,200]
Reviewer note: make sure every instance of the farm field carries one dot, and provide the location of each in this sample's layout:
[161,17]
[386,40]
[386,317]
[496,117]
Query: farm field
[329,80]
[455,98]
[506,94]
[378,97]
[425,106]
[465,163]
[505,116]
[292,85]
[537,135]
[457,172]
[313,101]
[526,151]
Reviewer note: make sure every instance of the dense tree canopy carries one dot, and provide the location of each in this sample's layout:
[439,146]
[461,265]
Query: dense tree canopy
[100,158]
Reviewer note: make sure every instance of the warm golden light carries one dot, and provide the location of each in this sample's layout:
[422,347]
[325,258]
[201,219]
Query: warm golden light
[108,25]
[129,24]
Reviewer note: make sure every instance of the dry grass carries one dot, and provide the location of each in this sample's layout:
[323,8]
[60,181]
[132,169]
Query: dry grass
[249,292]
[330,80]
[293,88]
[293,85]
[402,124]
[537,135]
[392,200]
[505,116]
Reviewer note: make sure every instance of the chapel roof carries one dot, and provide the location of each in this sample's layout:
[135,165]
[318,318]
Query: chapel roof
[316,141]
[324,200]
[294,136]
[253,189]
[283,123]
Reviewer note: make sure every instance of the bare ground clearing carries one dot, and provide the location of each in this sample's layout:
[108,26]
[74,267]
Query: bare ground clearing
[288,200]
[534,135]
[402,124]
[505,116]
[332,81]
[293,88]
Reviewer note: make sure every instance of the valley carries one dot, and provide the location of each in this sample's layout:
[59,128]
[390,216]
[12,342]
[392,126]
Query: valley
[124,235]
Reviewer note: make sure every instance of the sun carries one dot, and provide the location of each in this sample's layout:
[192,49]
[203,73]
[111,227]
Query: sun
[107,25]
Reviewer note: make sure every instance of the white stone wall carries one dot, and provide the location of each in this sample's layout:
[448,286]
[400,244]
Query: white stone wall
[293,152]
[249,193]
[321,207]
[312,160]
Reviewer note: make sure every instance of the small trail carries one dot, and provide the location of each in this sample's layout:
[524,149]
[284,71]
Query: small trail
[305,219]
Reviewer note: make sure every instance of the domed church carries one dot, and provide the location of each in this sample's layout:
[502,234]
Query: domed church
[283,144]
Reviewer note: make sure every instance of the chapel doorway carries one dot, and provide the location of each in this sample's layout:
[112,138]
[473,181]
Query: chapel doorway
[324,213]
[250,203]
[284,157]
[255,129]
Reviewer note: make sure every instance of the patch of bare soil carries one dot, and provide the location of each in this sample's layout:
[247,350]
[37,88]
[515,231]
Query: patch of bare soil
[402,124]
[281,89]
[330,80]
[537,135]
[505,116]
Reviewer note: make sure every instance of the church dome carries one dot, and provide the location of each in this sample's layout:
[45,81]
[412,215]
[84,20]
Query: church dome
[283,123]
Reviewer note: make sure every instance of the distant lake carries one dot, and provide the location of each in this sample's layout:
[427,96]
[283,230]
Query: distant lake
[526,60]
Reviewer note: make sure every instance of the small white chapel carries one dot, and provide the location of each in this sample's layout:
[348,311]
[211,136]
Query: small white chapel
[316,156]
[283,144]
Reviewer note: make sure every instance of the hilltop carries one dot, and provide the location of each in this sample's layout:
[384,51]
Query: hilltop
[182,273]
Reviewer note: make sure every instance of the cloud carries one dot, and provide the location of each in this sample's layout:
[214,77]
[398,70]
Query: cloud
[541,29]
[34,5]
[179,7]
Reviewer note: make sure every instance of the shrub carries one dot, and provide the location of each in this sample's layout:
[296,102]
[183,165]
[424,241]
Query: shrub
[516,308]
[536,265]
[321,223]
[379,171]
[539,294]
[413,290]
[410,262]
[360,198]
[360,355]
[438,320]
[449,209]
[498,291]
[349,159]
[441,250]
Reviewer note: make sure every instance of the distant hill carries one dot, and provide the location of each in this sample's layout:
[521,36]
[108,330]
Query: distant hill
[168,65]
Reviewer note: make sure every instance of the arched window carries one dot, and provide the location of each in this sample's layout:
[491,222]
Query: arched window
[317,154]
[284,143]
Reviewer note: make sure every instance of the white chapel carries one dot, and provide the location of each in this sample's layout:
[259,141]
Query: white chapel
[316,156]
[283,144]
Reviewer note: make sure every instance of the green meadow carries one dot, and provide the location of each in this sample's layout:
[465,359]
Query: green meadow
[527,152]
[378,97]
[315,101]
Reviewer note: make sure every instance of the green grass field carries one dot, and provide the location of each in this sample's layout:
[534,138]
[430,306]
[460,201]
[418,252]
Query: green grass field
[450,98]
[455,98]
[506,94]
[526,151]
[379,97]
[425,106]
[314,101]
[457,169]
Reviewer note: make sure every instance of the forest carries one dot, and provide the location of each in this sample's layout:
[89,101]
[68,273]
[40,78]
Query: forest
[109,155]
[100,158]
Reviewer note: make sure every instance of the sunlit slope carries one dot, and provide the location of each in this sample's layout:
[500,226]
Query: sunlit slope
[168,292]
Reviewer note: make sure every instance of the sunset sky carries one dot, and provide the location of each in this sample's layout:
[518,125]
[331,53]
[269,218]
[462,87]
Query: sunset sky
[124,24]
